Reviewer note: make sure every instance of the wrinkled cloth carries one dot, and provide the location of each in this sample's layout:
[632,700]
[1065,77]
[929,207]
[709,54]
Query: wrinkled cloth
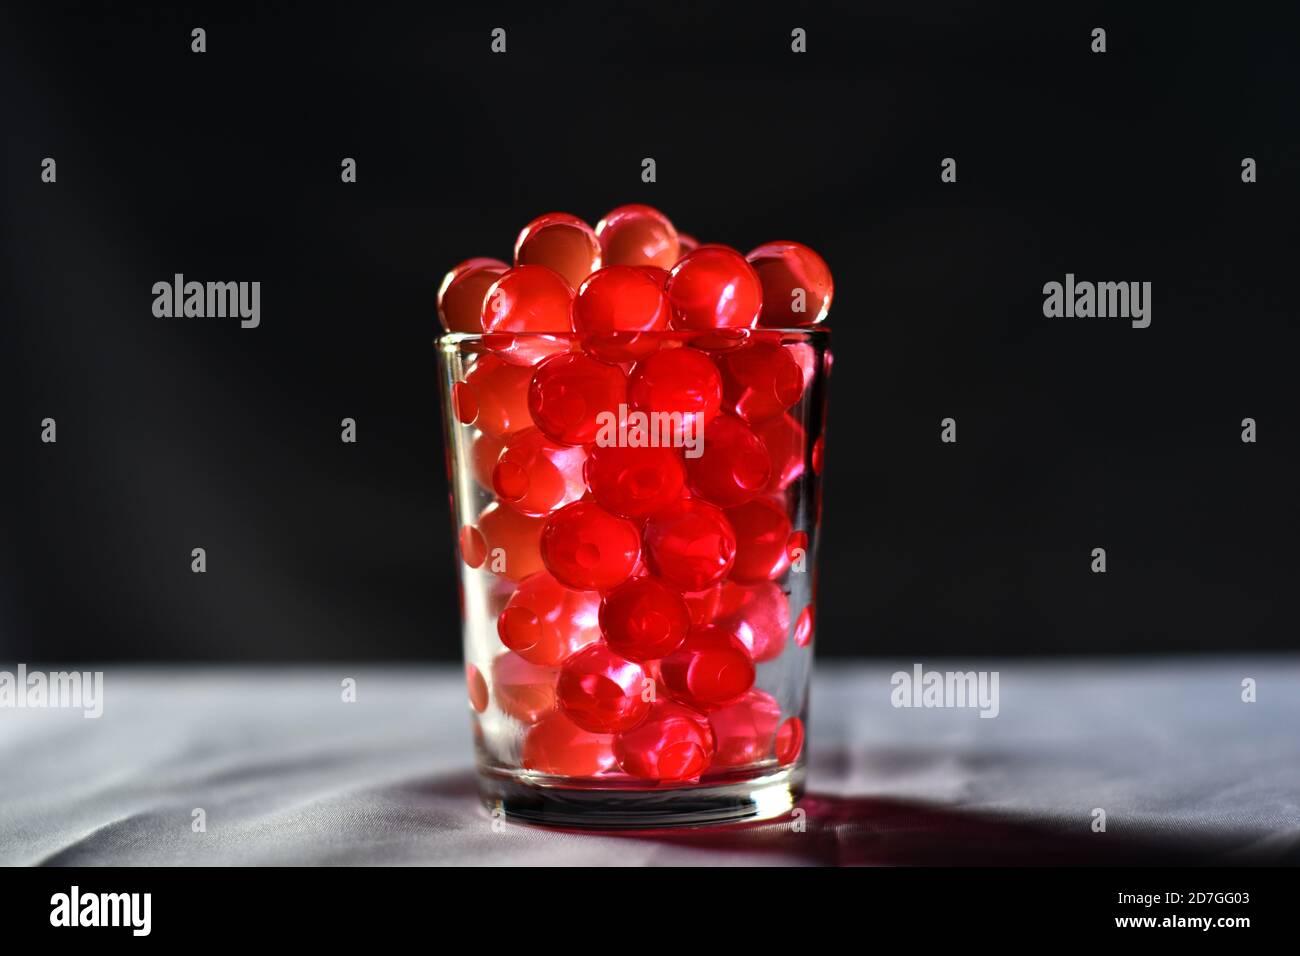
[285,772]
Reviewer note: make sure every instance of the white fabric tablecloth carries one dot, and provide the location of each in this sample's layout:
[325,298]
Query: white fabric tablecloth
[286,773]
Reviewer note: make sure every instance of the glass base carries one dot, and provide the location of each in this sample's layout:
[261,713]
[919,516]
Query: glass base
[734,801]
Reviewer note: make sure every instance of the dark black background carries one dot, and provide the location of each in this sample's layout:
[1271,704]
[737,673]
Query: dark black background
[1073,433]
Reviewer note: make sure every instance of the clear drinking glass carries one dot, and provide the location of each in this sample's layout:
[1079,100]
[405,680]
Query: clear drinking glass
[586,708]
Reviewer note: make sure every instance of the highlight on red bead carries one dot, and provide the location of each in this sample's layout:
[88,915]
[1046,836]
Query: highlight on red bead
[760,381]
[744,732]
[784,438]
[803,627]
[797,286]
[673,743]
[588,548]
[601,691]
[464,403]
[500,395]
[477,686]
[761,620]
[711,668]
[571,394]
[461,294]
[681,380]
[714,287]
[644,619]
[690,544]
[634,482]
[512,541]
[536,475]
[620,299]
[734,466]
[545,622]
[473,549]
[789,741]
[561,242]
[523,690]
[638,235]
[528,299]
[558,746]
[762,533]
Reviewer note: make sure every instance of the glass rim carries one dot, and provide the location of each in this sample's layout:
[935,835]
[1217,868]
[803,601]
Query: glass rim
[447,339]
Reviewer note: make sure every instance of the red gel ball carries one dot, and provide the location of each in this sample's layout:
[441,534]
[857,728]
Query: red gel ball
[762,532]
[681,380]
[478,692]
[544,622]
[760,381]
[561,242]
[690,544]
[637,235]
[536,476]
[461,294]
[528,299]
[803,627]
[818,454]
[711,668]
[571,393]
[713,288]
[789,741]
[674,743]
[744,731]
[793,277]
[473,549]
[500,392]
[634,482]
[620,299]
[588,548]
[558,746]
[734,466]
[512,541]
[523,690]
[602,692]
[643,619]
[761,620]
[784,439]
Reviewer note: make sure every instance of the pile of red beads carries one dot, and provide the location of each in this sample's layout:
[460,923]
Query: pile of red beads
[634,404]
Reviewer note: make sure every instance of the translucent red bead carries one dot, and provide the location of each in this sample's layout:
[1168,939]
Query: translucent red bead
[713,287]
[602,692]
[635,482]
[690,544]
[797,286]
[638,235]
[762,533]
[744,731]
[536,475]
[734,466]
[621,299]
[528,299]
[460,297]
[673,743]
[545,622]
[711,668]
[760,381]
[558,746]
[586,547]
[644,619]
[680,380]
[563,243]
[569,394]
